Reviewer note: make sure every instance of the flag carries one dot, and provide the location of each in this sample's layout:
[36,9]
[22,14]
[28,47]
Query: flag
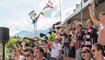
[38,16]
[36,19]
[49,4]
[57,23]
[42,13]
[33,21]
[33,39]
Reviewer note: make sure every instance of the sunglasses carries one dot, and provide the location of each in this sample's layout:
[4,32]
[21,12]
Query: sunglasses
[56,39]
[93,50]
[83,51]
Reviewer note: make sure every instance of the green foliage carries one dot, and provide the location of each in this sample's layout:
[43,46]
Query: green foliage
[39,38]
[18,39]
[27,42]
[11,43]
[51,37]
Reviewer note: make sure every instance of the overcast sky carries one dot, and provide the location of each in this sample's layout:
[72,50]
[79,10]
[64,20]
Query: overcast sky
[14,13]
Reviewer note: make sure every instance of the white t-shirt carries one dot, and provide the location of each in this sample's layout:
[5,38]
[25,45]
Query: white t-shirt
[22,57]
[55,49]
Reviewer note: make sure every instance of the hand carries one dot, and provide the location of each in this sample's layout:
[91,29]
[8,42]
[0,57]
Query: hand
[75,22]
[90,8]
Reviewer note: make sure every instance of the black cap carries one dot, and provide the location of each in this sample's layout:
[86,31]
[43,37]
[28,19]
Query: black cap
[41,34]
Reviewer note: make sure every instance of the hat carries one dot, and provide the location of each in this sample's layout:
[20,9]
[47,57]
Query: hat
[50,32]
[41,34]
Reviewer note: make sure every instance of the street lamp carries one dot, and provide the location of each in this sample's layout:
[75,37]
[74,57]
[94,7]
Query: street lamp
[32,15]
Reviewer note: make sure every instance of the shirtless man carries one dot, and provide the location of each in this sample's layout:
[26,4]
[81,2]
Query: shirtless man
[101,24]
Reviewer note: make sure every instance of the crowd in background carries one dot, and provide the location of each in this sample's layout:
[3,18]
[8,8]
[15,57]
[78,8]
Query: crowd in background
[76,43]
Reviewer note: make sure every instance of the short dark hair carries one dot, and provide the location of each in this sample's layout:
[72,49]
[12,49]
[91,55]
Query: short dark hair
[41,50]
[74,29]
[62,52]
[90,21]
[99,47]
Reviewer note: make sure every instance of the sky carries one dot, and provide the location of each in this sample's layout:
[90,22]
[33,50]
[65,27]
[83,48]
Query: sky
[14,13]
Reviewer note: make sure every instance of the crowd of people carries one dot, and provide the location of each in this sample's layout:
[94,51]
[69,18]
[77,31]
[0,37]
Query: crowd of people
[76,43]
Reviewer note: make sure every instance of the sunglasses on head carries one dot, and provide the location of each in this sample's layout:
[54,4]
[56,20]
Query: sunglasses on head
[83,51]
[56,39]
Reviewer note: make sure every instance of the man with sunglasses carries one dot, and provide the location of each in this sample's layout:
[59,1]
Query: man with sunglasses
[28,53]
[40,54]
[97,51]
[86,53]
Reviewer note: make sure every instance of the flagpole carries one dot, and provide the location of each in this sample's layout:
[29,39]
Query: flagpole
[93,4]
[93,7]
[81,12]
[60,11]
[35,27]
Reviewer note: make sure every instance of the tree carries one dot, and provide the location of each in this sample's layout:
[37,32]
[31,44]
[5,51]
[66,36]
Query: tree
[39,38]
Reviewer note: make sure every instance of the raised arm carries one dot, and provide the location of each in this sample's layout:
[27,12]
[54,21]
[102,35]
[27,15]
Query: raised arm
[93,17]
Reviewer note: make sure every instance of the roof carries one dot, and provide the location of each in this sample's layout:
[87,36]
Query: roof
[75,15]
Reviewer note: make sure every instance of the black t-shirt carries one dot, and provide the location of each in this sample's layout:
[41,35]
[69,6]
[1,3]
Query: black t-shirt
[68,38]
[79,38]
[92,32]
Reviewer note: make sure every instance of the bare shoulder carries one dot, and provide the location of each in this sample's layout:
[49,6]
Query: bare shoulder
[103,29]
[99,23]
